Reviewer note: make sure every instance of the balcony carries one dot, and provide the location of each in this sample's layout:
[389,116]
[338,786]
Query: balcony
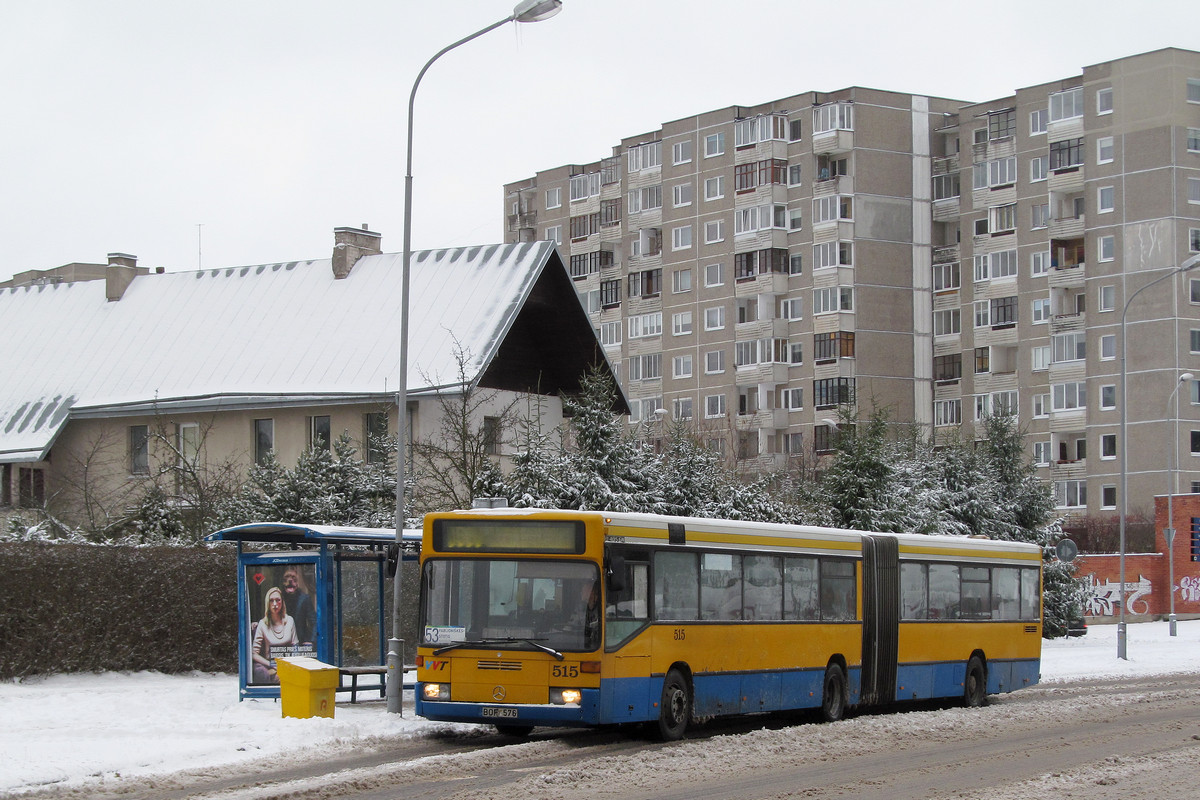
[1066,227]
[945,255]
[527,219]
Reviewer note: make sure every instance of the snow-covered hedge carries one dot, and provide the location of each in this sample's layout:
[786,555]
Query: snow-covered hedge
[80,608]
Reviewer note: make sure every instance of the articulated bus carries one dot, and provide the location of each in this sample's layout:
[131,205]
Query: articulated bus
[532,617]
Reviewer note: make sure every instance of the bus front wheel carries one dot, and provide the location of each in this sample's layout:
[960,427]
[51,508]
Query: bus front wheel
[675,708]
[833,695]
[975,685]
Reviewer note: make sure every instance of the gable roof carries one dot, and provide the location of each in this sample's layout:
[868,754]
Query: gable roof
[290,333]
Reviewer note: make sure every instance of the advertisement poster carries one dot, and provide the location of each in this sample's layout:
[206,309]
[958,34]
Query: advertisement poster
[282,607]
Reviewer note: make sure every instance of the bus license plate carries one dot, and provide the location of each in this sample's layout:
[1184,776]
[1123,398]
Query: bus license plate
[509,713]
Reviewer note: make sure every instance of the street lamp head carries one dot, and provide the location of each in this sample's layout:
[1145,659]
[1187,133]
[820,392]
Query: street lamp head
[1190,263]
[1186,376]
[536,10]
[830,423]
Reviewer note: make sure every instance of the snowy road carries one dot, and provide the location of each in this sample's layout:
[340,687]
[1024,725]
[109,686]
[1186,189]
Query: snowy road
[1099,740]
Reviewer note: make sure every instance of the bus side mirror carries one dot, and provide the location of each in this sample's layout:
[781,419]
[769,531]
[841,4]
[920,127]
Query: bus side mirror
[393,558]
[615,573]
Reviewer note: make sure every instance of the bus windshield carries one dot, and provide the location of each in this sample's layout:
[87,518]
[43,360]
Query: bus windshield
[512,602]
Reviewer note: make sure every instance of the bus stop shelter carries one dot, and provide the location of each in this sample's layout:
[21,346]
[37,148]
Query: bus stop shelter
[319,590]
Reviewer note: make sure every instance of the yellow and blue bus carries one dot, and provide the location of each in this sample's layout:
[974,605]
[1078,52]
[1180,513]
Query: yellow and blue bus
[533,617]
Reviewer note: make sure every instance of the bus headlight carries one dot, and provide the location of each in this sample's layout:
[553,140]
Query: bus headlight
[435,691]
[565,696]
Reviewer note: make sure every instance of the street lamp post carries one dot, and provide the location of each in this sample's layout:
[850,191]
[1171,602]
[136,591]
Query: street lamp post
[525,11]
[1169,529]
[1121,626]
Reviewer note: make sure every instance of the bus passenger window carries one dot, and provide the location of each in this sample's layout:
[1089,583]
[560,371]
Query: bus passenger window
[1006,593]
[1031,595]
[943,591]
[976,593]
[914,592]
[763,587]
[800,589]
[837,590]
[629,609]
[721,586]
[676,586]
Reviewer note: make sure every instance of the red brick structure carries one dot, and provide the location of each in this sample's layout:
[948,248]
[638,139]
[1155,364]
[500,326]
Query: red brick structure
[1146,574]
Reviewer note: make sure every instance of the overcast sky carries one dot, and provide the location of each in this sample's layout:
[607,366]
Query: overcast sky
[125,125]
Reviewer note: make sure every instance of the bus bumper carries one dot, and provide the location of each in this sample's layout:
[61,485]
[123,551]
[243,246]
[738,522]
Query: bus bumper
[586,712]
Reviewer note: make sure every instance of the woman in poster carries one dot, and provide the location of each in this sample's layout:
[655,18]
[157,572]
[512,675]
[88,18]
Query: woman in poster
[275,629]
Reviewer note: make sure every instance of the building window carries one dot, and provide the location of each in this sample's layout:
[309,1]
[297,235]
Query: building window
[833,117]
[1196,443]
[714,318]
[681,237]
[831,392]
[610,333]
[642,326]
[946,322]
[645,368]
[554,197]
[983,360]
[1107,247]
[1039,168]
[1193,190]
[31,487]
[491,435]
[187,442]
[681,281]
[1041,310]
[584,186]
[1108,446]
[1104,101]
[644,156]
[1108,397]
[1004,218]
[1104,150]
[682,408]
[796,262]
[681,323]
[1193,140]
[795,174]
[1108,496]
[681,366]
[714,406]
[1194,240]
[714,188]
[1106,199]
[1108,298]
[1002,172]
[1066,105]
[823,438]
[714,145]
[554,234]
[1041,357]
[1039,216]
[833,299]
[1039,263]
[681,194]
[714,362]
[1041,406]
[833,254]
[1194,337]
[791,308]
[610,212]
[1004,311]
[139,450]
[1041,454]
[1070,346]
[947,412]
[1108,347]
[947,368]
[375,431]
[714,231]
[1066,154]
[1071,396]
[264,440]
[946,187]
[714,275]
[1070,494]
[610,293]
[831,346]
[319,434]
[1002,124]
[681,152]
[1037,121]
[945,277]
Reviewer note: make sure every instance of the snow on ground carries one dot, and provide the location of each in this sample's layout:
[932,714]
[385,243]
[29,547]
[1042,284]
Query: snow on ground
[67,730]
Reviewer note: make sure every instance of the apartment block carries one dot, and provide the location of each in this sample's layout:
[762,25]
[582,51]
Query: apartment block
[758,271]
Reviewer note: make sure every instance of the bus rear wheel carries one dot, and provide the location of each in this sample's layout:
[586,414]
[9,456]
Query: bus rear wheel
[675,708]
[975,685]
[833,694]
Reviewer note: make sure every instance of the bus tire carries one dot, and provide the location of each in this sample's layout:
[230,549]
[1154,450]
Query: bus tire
[975,685]
[833,694]
[515,731]
[675,707]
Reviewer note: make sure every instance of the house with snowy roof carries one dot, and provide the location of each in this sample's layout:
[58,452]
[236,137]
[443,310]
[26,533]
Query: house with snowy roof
[277,357]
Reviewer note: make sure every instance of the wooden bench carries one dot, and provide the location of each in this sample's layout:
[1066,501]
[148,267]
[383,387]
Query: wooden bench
[380,683]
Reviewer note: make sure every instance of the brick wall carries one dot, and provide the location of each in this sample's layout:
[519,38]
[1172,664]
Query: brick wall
[1147,575]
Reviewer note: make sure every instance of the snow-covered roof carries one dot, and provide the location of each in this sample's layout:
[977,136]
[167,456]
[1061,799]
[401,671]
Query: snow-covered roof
[280,334]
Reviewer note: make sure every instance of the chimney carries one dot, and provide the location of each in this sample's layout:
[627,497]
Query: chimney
[120,272]
[351,244]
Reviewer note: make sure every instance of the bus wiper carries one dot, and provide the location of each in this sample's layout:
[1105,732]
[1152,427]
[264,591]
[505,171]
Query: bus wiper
[486,642]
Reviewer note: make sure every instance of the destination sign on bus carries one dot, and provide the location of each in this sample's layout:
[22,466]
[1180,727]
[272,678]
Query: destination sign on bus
[508,536]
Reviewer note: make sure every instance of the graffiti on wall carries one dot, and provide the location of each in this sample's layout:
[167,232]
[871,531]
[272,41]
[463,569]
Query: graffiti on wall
[1105,599]
[1189,588]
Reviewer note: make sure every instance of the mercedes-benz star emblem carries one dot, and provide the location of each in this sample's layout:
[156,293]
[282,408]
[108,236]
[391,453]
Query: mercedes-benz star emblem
[498,693]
